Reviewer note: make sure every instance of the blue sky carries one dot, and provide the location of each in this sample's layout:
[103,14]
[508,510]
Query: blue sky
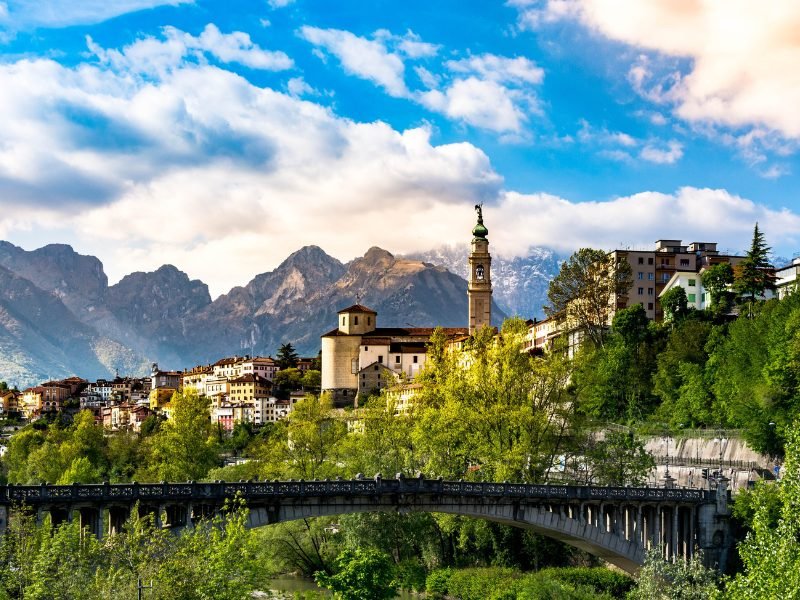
[221,136]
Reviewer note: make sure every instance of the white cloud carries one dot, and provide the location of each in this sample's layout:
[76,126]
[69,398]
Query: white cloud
[486,91]
[481,103]
[621,147]
[690,214]
[23,14]
[280,3]
[743,55]
[663,156]
[410,44]
[499,68]
[368,59]
[156,57]
[202,169]
[297,87]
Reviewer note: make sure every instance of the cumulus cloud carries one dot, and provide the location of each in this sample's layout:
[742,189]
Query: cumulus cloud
[154,56]
[368,59]
[279,3]
[486,91]
[743,55]
[690,214]
[24,14]
[201,168]
[668,155]
[482,103]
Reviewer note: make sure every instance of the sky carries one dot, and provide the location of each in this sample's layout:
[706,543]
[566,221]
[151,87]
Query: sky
[222,136]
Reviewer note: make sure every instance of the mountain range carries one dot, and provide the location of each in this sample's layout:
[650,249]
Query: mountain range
[59,316]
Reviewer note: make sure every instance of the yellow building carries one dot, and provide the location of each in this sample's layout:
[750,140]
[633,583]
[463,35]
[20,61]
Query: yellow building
[160,398]
[249,387]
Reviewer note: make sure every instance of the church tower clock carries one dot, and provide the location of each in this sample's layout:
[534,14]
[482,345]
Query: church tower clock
[479,286]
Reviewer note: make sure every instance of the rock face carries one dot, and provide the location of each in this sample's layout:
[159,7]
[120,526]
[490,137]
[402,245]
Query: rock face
[78,280]
[519,284]
[41,338]
[59,317]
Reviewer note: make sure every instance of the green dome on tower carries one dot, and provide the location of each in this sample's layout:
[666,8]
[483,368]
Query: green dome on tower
[480,230]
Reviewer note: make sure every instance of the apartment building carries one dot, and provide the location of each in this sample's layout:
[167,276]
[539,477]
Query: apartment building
[653,269]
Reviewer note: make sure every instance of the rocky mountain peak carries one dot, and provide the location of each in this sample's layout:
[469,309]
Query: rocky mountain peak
[78,280]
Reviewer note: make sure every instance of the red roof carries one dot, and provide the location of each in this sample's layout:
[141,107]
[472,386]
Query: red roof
[357,308]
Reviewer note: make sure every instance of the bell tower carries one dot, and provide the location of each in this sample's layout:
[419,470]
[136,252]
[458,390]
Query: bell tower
[479,286]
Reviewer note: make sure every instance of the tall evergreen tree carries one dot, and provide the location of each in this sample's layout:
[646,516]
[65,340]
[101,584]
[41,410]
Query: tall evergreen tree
[287,356]
[755,272]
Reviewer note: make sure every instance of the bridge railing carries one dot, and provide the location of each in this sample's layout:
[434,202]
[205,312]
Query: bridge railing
[217,492]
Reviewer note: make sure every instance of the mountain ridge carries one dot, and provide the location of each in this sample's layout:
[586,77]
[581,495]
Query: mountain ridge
[89,328]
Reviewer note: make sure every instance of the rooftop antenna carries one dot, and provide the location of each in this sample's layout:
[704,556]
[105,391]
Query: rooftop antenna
[358,297]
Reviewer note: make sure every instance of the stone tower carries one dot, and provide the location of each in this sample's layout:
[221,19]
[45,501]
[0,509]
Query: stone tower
[479,286]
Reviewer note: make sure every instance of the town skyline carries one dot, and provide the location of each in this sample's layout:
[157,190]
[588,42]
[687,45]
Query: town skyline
[150,132]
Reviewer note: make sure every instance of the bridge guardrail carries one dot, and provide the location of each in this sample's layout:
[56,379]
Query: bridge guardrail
[216,492]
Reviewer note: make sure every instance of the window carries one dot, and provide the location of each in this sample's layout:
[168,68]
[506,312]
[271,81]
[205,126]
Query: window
[649,306]
[640,275]
[415,359]
[369,320]
[691,297]
[397,359]
[641,291]
[650,261]
[375,368]
[684,262]
[355,320]
[343,320]
[479,272]
[366,348]
[641,260]
[649,291]
[650,276]
[692,282]
[380,358]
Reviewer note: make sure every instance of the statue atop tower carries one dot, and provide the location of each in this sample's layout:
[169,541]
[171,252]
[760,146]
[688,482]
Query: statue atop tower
[479,286]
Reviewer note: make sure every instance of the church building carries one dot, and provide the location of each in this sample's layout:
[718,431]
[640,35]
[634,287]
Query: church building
[360,357]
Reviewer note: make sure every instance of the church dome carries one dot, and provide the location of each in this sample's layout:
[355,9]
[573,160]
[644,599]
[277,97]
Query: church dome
[480,230]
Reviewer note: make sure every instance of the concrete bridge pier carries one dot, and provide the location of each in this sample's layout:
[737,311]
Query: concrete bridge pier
[91,521]
[117,516]
[58,515]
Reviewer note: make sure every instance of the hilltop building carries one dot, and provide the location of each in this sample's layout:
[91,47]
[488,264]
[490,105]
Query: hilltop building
[359,357]
[653,272]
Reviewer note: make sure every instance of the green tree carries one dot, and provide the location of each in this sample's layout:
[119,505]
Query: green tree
[675,303]
[361,574]
[287,380]
[615,382]
[313,437]
[679,380]
[662,580]
[586,289]
[287,356]
[312,380]
[618,459]
[771,554]
[755,275]
[184,448]
[718,279]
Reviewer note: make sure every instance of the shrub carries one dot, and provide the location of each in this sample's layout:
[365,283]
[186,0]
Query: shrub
[602,580]
[436,583]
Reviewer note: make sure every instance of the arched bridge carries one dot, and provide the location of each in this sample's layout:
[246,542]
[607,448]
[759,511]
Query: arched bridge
[618,524]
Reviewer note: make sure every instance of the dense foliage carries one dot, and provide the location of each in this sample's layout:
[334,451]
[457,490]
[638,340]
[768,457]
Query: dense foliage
[216,560]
